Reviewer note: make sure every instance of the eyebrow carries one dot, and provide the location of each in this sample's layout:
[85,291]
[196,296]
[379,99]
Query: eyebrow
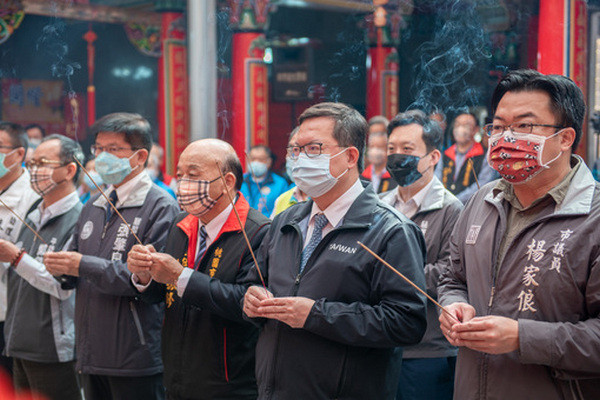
[525,115]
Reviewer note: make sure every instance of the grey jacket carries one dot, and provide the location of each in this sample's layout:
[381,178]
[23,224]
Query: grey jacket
[116,333]
[39,322]
[549,281]
[436,217]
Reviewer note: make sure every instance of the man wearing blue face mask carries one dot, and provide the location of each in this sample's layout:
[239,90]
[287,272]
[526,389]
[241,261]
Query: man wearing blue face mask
[16,193]
[117,335]
[413,151]
[333,315]
[261,186]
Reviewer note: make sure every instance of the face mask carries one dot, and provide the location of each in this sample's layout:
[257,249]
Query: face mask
[113,169]
[4,169]
[34,143]
[376,156]
[258,169]
[518,156]
[96,177]
[41,180]
[404,168]
[193,196]
[312,175]
[288,167]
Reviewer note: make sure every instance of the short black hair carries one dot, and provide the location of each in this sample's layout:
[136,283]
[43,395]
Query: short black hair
[566,99]
[432,131]
[69,149]
[378,119]
[18,137]
[136,129]
[350,127]
[31,126]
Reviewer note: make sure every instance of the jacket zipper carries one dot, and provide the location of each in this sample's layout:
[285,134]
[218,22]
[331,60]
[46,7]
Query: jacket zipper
[225,354]
[138,325]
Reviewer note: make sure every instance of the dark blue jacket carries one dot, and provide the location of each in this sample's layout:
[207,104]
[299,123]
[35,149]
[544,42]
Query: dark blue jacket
[362,309]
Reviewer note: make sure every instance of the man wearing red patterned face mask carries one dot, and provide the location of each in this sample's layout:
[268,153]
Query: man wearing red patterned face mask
[208,348]
[525,265]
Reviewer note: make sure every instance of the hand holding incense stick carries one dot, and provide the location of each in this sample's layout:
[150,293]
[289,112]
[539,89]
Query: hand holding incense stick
[407,280]
[241,226]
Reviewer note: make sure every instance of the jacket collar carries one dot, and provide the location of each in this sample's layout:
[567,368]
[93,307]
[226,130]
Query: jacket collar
[268,179]
[434,199]
[578,199]
[13,195]
[136,198]
[476,150]
[359,215]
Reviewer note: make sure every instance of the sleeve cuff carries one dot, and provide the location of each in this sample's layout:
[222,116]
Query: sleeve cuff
[183,280]
[136,283]
[535,342]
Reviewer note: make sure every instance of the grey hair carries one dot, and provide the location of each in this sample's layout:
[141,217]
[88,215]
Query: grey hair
[69,149]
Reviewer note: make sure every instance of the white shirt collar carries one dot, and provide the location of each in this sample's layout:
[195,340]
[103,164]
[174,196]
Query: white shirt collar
[418,197]
[60,207]
[338,209]
[126,189]
[214,226]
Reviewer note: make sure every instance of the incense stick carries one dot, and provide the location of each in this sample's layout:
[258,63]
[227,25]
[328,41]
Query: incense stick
[408,281]
[474,173]
[108,201]
[23,221]
[241,226]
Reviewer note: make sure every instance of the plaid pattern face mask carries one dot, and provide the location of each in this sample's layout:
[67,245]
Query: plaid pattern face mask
[41,180]
[193,196]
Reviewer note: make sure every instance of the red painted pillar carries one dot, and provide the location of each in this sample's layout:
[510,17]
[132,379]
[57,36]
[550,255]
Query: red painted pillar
[90,37]
[383,34]
[562,43]
[173,99]
[250,86]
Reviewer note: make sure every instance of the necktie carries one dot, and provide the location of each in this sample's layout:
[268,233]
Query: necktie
[201,246]
[320,222]
[113,199]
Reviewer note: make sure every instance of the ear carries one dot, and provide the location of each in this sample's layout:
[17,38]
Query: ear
[353,155]
[142,156]
[567,137]
[20,154]
[435,157]
[230,181]
[71,170]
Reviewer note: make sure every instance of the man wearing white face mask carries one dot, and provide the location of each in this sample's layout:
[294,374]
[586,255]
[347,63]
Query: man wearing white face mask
[40,333]
[524,275]
[262,186]
[16,193]
[117,335]
[208,348]
[333,315]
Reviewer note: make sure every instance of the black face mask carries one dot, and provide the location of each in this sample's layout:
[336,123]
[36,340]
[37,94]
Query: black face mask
[403,168]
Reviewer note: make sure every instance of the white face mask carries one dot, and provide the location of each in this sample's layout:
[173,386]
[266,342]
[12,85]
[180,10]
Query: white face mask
[312,175]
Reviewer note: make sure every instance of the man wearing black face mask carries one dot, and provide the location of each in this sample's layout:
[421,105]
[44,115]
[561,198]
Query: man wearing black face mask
[208,349]
[413,151]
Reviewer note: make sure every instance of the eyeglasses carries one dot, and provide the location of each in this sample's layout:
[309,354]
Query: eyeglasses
[311,150]
[493,129]
[109,149]
[8,147]
[44,163]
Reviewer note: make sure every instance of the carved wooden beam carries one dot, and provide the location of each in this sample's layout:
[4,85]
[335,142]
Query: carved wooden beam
[95,13]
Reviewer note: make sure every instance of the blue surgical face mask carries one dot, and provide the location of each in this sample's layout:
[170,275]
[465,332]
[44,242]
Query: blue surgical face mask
[258,169]
[96,177]
[312,175]
[3,168]
[112,169]
[288,167]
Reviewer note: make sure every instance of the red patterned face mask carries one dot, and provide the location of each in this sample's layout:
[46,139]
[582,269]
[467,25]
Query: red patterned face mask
[518,156]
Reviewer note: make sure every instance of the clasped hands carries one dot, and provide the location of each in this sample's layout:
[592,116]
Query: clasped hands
[293,311]
[146,263]
[488,334]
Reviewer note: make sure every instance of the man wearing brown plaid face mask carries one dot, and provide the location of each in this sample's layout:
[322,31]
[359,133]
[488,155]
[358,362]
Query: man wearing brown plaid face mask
[208,348]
